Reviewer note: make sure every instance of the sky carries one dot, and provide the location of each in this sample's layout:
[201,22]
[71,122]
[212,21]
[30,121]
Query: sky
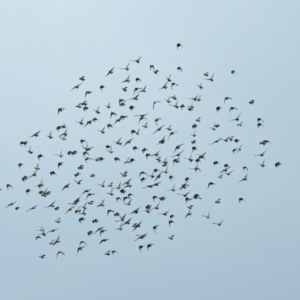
[47,46]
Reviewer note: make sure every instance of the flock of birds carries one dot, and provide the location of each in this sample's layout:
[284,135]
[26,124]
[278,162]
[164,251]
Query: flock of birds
[120,176]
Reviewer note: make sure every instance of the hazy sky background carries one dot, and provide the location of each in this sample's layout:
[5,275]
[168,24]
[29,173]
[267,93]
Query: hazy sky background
[47,46]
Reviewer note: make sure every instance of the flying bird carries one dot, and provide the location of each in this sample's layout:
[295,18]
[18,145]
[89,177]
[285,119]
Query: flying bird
[109,72]
[219,224]
[76,86]
[137,60]
[35,134]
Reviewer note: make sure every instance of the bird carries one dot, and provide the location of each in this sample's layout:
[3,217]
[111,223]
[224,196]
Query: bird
[237,118]
[35,134]
[102,241]
[155,228]
[211,78]
[66,186]
[59,155]
[87,93]
[244,178]
[149,246]
[60,252]
[189,213]
[137,60]
[219,224]
[80,248]
[76,86]
[261,154]
[126,68]
[10,204]
[210,183]
[32,208]
[179,45]
[206,216]
[51,204]
[109,73]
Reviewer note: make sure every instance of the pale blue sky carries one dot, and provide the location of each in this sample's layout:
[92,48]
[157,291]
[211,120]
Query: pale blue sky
[46,47]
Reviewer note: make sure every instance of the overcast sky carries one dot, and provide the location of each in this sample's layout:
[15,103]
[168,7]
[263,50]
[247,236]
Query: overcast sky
[46,47]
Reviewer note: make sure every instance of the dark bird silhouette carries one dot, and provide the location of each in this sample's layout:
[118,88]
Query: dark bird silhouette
[66,186]
[87,93]
[103,241]
[32,208]
[219,224]
[109,72]
[149,246]
[211,78]
[244,178]
[35,134]
[137,60]
[80,249]
[261,154]
[210,183]
[76,86]
[179,45]
[60,252]
[10,204]
[206,216]
[126,68]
